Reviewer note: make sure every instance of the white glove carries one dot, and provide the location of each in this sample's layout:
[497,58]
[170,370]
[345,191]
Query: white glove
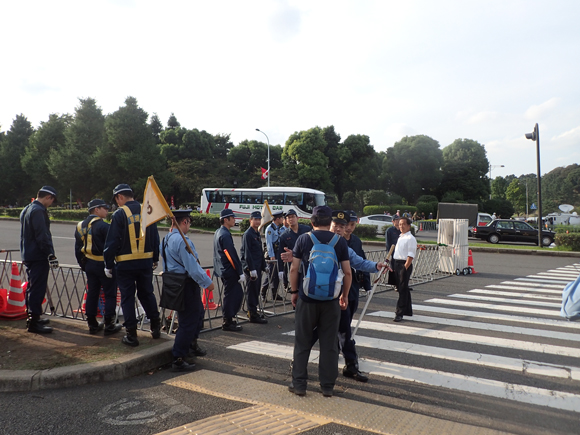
[53,261]
[280,275]
[242,279]
[108,273]
[253,274]
[155,265]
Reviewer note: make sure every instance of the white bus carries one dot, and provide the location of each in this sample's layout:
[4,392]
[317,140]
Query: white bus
[245,201]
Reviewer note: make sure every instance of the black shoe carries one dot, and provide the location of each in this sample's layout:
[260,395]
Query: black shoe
[327,392]
[277,298]
[33,325]
[180,365]
[256,318]
[398,318]
[352,371]
[94,329]
[295,391]
[131,338]
[156,328]
[112,328]
[410,288]
[231,327]
[43,321]
[195,350]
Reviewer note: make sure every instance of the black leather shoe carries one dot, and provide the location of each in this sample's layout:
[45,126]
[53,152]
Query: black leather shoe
[112,328]
[43,321]
[277,298]
[410,288]
[180,365]
[195,350]
[231,327]
[296,391]
[131,338]
[156,328]
[398,318]
[352,371]
[37,328]
[256,318]
[94,329]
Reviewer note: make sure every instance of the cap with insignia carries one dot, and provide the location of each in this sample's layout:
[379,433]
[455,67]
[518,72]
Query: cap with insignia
[121,188]
[226,213]
[256,215]
[97,203]
[340,217]
[353,216]
[277,214]
[181,213]
[48,189]
[291,212]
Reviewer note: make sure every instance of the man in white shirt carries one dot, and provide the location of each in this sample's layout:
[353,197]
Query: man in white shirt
[405,252]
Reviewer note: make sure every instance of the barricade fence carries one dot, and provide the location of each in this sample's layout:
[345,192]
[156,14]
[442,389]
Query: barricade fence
[67,285]
[426,225]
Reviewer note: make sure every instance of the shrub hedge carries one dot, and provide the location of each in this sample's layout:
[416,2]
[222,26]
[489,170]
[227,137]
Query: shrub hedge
[380,209]
[571,241]
[368,231]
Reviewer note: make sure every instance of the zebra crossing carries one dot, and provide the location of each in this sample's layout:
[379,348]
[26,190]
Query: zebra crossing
[511,327]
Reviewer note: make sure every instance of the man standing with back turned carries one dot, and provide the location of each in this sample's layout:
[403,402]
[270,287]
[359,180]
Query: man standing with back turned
[135,259]
[37,254]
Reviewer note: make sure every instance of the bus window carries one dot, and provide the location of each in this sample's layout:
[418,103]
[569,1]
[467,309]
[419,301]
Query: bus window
[274,198]
[214,196]
[231,198]
[252,197]
[294,199]
[311,200]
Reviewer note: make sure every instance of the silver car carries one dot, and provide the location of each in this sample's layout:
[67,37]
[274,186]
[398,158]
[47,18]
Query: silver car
[381,221]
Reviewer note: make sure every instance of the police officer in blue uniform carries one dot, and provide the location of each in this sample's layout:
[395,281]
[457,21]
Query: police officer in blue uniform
[37,253]
[273,232]
[177,259]
[228,267]
[90,236]
[287,241]
[254,263]
[135,261]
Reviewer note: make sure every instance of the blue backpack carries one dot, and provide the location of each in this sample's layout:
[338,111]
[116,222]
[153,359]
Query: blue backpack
[323,279]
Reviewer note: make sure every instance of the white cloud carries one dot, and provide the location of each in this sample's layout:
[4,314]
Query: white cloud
[538,111]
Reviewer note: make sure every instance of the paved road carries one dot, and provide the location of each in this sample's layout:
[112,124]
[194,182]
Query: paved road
[488,349]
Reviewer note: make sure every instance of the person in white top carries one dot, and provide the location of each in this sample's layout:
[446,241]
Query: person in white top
[405,252]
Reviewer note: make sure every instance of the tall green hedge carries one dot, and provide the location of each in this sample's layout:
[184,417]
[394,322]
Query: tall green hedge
[571,241]
[380,209]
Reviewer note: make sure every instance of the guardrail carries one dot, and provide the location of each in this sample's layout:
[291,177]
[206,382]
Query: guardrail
[67,284]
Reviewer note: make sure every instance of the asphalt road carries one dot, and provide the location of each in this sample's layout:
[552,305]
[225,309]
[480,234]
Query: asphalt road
[487,349]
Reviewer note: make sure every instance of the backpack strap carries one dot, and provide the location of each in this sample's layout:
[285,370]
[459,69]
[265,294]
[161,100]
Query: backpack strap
[313,238]
[334,240]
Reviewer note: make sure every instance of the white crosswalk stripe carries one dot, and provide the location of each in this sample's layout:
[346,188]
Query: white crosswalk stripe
[468,330]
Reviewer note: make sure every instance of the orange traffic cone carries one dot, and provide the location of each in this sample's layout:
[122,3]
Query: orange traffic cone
[421,226]
[470,262]
[3,299]
[15,304]
[207,298]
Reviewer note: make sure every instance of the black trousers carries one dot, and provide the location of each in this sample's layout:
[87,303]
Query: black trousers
[404,305]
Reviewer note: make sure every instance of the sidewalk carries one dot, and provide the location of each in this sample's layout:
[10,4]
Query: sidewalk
[70,356]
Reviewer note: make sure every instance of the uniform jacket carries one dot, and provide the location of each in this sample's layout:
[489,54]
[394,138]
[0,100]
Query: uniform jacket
[98,232]
[273,233]
[35,237]
[119,241]
[288,240]
[356,245]
[391,236]
[222,267]
[252,252]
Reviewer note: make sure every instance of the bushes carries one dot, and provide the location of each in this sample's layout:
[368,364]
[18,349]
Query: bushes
[380,209]
[12,212]
[366,231]
[570,241]
[244,225]
[202,220]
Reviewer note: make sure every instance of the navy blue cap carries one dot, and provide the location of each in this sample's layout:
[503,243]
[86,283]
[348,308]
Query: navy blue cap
[226,213]
[97,203]
[256,215]
[396,217]
[322,211]
[120,188]
[181,212]
[48,189]
[277,214]
[340,216]
[291,212]
[353,216]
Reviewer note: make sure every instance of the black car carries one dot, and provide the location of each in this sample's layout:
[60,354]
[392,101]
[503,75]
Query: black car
[509,230]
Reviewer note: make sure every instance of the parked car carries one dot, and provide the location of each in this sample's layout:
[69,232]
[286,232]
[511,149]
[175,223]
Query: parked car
[482,220]
[381,221]
[509,230]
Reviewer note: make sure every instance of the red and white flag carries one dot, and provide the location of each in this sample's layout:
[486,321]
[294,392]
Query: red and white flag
[264,173]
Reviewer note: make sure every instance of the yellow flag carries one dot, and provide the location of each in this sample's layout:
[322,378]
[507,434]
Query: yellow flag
[154,207]
[266,216]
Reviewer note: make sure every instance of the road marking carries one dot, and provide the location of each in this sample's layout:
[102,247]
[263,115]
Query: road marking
[485,326]
[515,294]
[495,307]
[496,316]
[471,384]
[506,300]
[538,278]
[532,284]
[560,272]
[528,289]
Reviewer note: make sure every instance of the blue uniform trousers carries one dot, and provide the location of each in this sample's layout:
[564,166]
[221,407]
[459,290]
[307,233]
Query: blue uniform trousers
[344,328]
[37,281]
[190,319]
[253,288]
[96,278]
[233,297]
[142,279]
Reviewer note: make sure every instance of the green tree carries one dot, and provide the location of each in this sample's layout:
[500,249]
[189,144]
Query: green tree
[172,122]
[414,164]
[501,207]
[73,163]
[14,179]
[560,186]
[49,137]
[304,157]
[498,187]
[516,194]
[464,169]
[156,127]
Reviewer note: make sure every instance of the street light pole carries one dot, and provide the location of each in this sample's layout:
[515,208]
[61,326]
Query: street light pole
[535,135]
[527,199]
[268,154]
[490,168]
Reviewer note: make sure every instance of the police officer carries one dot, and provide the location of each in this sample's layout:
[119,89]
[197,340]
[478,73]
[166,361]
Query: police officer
[273,232]
[37,253]
[177,259]
[228,267]
[135,260]
[90,236]
[287,241]
[254,263]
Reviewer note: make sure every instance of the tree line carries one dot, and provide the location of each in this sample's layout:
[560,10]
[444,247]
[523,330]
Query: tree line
[89,152]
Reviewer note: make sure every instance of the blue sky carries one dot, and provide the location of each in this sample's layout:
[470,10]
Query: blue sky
[486,71]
